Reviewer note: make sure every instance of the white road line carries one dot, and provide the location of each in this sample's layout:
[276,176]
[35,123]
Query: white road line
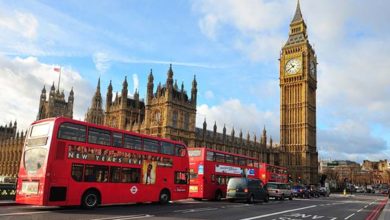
[360,210]
[278,213]
[366,206]
[349,216]
[24,213]
[124,217]
[195,210]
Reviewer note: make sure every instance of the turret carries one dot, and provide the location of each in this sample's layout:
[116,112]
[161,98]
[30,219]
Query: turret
[149,91]
[70,103]
[136,98]
[169,83]
[124,93]
[109,96]
[232,135]
[194,91]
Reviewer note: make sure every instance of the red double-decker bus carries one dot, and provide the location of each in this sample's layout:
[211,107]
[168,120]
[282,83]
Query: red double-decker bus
[272,173]
[67,162]
[210,171]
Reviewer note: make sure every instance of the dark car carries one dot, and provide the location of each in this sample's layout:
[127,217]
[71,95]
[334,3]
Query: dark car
[250,190]
[314,191]
[300,191]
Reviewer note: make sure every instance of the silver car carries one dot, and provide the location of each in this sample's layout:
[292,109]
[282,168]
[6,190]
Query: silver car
[279,190]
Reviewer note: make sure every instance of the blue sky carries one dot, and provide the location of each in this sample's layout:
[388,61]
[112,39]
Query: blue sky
[231,46]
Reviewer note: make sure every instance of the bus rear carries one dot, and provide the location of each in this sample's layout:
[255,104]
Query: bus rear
[196,158]
[32,178]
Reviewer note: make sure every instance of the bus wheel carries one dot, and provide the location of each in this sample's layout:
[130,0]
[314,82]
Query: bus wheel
[90,199]
[164,197]
[218,195]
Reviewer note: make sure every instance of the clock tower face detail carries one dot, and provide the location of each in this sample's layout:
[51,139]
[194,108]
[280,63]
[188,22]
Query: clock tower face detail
[298,85]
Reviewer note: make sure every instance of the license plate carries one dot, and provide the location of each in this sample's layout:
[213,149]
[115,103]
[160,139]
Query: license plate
[30,187]
[193,188]
[231,190]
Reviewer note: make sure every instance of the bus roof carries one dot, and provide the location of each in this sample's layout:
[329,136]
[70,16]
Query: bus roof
[222,152]
[62,119]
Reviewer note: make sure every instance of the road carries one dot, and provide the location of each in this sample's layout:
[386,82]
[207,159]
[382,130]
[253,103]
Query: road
[331,208]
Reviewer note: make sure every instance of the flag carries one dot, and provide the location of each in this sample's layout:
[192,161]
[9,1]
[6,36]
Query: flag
[57,69]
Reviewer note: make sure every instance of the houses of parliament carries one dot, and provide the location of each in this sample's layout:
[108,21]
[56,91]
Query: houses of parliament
[168,111]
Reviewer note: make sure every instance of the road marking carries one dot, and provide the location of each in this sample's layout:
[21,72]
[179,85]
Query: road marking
[124,217]
[349,216]
[195,210]
[366,206]
[278,213]
[24,213]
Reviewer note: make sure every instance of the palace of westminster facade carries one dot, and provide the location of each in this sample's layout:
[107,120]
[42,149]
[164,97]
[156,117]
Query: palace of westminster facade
[169,112]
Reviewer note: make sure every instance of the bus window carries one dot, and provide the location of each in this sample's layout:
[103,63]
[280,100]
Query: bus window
[194,153]
[229,159]
[99,136]
[131,175]
[242,161]
[220,157]
[95,173]
[132,142]
[250,163]
[210,156]
[181,177]
[73,132]
[115,174]
[117,139]
[77,172]
[167,148]
[180,151]
[151,145]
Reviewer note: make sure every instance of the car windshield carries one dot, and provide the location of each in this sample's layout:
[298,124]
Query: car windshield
[272,186]
[237,183]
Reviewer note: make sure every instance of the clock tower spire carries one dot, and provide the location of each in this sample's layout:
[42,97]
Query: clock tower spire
[298,85]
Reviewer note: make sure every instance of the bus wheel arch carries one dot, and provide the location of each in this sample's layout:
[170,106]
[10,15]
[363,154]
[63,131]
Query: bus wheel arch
[91,198]
[165,196]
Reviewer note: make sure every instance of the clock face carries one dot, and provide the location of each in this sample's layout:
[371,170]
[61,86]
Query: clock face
[293,66]
[313,69]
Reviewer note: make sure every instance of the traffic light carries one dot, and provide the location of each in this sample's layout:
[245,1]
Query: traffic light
[290,179]
[299,179]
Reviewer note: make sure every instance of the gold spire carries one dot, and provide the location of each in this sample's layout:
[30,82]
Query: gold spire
[298,14]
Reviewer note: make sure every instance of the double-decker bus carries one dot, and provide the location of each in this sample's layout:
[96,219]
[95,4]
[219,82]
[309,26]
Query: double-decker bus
[272,173]
[210,171]
[68,162]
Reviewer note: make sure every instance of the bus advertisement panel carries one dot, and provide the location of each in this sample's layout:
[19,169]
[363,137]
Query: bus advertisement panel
[210,171]
[272,173]
[69,162]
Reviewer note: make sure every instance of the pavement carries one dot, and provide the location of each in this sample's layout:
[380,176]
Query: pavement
[385,215]
[7,202]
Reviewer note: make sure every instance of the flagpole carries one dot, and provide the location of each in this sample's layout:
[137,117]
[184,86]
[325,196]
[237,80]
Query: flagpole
[59,80]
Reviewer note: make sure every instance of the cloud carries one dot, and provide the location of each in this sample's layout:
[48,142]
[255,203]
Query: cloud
[233,113]
[23,80]
[20,24]
[101,61]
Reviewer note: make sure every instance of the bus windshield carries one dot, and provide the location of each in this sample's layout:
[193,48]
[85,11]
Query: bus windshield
[34,159]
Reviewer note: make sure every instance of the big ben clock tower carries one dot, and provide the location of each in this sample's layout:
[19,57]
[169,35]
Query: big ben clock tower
[298,85]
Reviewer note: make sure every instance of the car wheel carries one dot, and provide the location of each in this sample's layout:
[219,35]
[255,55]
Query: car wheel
[282,197]
[251,199]
[266,198]
[291,197]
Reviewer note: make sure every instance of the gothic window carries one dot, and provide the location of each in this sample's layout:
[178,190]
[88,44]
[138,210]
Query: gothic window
[186,120]
[174,119]
[157,117]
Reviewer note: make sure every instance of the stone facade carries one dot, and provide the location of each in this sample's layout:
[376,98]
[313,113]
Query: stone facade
[95,112]
[56,104]
[169,112]
[298,85]
[381,165]
[11,145]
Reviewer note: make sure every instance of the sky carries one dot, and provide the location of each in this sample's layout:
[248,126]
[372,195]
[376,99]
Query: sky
[232,47]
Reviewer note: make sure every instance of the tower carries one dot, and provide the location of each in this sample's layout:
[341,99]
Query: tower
[56,104]
[298,85]
[95,112]
[170,113]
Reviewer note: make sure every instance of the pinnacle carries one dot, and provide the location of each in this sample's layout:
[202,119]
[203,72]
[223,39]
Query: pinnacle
[298,14]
